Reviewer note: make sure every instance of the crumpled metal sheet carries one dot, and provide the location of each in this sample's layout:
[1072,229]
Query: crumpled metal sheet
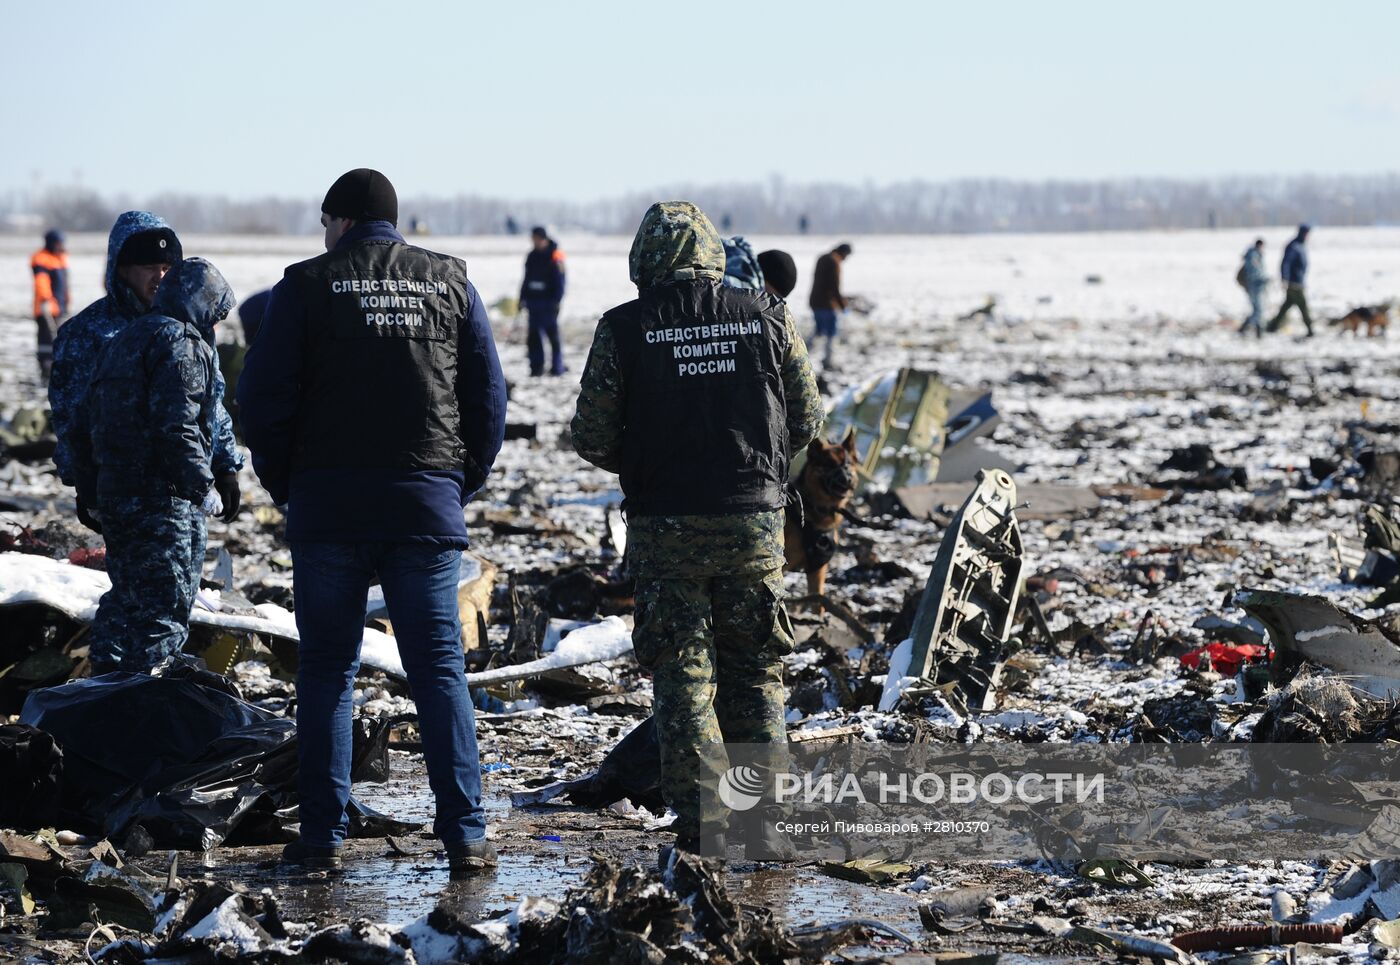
[899,423]
[1310,628]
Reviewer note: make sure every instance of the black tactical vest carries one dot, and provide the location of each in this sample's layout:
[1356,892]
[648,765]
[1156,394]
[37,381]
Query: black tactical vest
[379,380]
[705,420]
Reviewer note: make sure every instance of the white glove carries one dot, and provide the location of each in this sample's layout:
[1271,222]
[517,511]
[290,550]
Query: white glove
[212,505]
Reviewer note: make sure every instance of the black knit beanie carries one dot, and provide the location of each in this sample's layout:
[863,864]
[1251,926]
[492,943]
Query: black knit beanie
[779,270]
[157,246]
[362,195]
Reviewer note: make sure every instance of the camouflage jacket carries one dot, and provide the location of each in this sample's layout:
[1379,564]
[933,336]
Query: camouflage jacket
[676,240]
[79,344]
[741,268]
[148,424]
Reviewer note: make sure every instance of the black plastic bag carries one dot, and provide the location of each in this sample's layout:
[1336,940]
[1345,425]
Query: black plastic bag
[31,773]
[182,755]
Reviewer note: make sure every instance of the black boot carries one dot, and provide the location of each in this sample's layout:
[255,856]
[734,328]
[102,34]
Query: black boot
[708,847]
[762,839]
[311,856]
[471,858]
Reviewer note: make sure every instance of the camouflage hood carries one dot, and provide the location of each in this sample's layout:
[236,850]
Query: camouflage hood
[194,291]
[130,223]
[675,242]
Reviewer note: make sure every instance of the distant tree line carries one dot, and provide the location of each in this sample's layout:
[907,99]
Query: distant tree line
[777,207]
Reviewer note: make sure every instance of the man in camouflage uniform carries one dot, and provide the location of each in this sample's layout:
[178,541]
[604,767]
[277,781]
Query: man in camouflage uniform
[697,395]
[143,453]
[741,268]
[140,249]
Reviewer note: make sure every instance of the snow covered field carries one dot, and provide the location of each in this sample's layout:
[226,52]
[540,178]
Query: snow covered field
[1181,276]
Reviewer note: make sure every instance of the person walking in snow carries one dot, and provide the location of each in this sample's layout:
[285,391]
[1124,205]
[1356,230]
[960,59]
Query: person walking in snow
[1294,270]
[1255,280]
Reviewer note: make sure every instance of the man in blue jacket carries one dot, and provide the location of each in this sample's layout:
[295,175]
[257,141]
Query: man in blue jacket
[1294,270]
[140,250]
[374,406]
[142,452]
[540,294]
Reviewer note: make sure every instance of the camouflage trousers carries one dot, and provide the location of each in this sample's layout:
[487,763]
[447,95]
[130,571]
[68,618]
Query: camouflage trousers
[155,554]
[712,645]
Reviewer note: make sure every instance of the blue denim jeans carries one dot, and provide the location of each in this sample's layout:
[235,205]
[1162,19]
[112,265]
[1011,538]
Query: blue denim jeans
[544,324]
[331,586]
[1256,313]
[826,322]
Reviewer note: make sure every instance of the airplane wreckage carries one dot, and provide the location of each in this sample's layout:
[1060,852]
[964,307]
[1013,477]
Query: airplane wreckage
[958,645]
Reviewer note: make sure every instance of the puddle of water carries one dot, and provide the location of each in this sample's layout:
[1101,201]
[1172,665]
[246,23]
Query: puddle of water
[398,890]
[383,887]
[801,896]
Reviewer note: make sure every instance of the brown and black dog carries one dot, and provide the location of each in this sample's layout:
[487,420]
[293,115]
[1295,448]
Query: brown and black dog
[825,485]
[1374,317]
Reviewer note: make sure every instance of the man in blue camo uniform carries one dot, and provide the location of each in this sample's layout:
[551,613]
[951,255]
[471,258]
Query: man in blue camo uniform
[140,249]
[698,394]
[741,267]
[142,451]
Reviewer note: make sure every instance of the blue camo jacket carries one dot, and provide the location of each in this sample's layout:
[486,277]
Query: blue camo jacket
[79,344]
[151,412]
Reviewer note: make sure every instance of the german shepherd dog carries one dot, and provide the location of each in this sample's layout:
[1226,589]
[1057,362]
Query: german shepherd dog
[1374,317]
[824,487]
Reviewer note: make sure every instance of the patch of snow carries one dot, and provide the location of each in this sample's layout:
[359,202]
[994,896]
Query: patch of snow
[605,640]
[896,682]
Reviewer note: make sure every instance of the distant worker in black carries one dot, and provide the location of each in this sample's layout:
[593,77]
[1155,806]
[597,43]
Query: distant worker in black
[540,295]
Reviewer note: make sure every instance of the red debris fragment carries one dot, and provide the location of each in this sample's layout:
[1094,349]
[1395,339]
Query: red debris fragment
[25,541]
[1226,658]
[93,559]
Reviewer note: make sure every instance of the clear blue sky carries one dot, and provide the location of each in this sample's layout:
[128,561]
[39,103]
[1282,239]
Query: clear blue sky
[581,100]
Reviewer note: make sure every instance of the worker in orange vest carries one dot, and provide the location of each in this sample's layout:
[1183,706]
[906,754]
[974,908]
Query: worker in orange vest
[50,265]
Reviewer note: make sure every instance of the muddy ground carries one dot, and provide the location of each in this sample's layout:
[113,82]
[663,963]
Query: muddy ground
[1084,403]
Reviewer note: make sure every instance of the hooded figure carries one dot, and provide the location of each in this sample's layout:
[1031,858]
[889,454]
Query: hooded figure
[675,242]
[80,341]
[146,465]
[741,267]
[697,394]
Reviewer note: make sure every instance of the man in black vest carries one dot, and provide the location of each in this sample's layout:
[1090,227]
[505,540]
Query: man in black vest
[374,405]
[697,395]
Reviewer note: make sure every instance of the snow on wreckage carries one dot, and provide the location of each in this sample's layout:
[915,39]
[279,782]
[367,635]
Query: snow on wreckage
[1120,585]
